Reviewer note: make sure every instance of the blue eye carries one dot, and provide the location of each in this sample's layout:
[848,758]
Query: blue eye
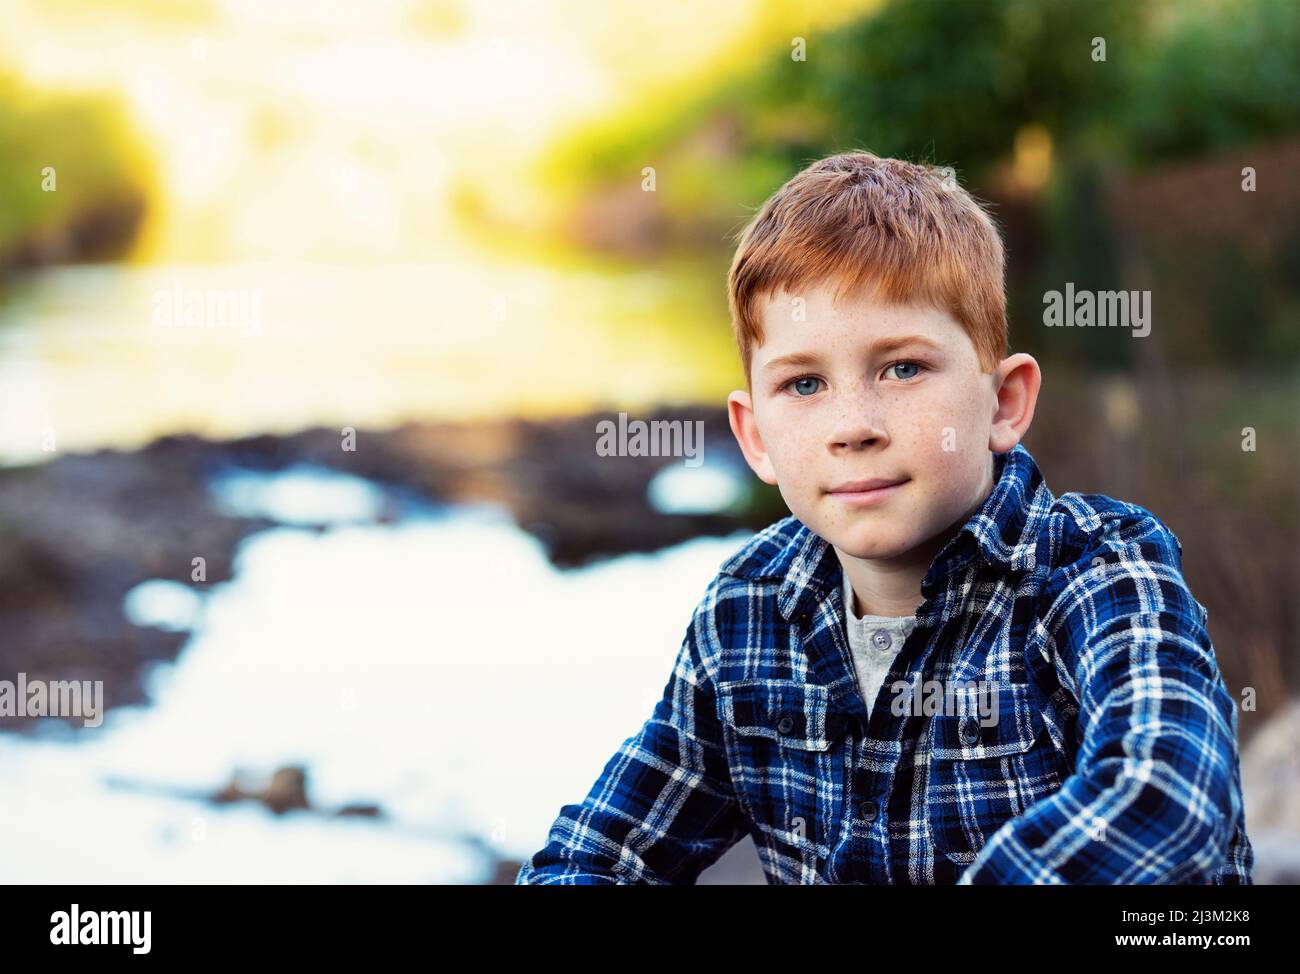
[805,391]
[913,365]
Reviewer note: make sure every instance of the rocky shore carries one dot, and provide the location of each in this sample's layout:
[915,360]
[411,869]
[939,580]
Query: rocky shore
[78,532]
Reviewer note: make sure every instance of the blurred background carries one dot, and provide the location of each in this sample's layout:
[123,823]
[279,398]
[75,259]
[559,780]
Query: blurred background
[308,311]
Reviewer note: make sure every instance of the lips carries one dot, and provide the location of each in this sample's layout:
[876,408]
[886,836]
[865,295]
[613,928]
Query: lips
[861,486]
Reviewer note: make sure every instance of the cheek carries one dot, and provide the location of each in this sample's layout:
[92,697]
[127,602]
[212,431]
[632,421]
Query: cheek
[941,460]
[786,438]
[949,481]
[943,424]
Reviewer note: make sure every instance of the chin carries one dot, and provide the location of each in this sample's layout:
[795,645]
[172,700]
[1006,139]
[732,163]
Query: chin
[870,545]
[878,552]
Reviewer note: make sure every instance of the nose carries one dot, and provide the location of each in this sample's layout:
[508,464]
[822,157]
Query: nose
[859,424]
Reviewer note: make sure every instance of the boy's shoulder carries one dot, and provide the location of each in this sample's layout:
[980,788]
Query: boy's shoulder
[1082,526]
[1117,553]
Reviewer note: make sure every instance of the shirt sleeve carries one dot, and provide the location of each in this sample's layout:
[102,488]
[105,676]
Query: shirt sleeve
[664,807]
[1155,796]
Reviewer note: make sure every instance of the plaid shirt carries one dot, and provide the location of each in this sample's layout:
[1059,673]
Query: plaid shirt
[1113,758]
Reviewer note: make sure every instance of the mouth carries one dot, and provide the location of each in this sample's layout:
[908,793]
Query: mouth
[862,492]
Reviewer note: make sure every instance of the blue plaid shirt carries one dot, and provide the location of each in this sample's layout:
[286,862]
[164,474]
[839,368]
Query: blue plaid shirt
[1113,758]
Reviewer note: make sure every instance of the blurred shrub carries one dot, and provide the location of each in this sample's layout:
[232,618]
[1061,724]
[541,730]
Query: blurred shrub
[953,82]
[1221,75]
[101,172]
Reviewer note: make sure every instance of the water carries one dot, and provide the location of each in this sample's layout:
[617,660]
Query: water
[95,357]
[438,666]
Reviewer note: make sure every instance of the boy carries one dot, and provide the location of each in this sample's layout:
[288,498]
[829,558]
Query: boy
[935,670]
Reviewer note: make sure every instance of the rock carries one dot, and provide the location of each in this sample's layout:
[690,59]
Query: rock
[366,811]
[1270,774]
[288,790]
[1277,857]
[1270,781]
[228,793]
[504,872]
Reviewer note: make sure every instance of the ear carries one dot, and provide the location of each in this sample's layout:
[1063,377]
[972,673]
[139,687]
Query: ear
[744,426]
[1017,394]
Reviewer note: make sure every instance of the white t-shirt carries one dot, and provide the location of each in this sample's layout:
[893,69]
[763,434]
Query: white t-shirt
[875,641]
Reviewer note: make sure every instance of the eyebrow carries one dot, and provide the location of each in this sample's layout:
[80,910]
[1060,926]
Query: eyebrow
[883,345]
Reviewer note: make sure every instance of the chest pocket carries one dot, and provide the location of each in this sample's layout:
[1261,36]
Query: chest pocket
[783,741]
[981,775]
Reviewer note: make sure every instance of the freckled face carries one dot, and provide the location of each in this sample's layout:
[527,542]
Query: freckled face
[882,391]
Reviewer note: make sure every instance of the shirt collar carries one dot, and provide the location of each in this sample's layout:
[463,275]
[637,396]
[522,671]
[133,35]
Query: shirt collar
[1004,532]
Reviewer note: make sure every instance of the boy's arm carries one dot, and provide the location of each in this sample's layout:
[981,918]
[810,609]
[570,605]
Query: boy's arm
[1155,796]
[663,808]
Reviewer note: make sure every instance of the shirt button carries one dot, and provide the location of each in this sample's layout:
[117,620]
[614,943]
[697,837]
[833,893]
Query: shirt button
[881,638]
[970,732]
[870,810]
[785,725]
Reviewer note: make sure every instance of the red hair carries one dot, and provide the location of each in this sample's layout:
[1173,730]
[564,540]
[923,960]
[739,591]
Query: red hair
[906,231]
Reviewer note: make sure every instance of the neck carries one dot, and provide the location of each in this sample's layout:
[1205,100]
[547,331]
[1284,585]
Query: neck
[884,588]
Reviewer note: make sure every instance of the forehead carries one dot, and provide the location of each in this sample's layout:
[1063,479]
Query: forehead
[809,319]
